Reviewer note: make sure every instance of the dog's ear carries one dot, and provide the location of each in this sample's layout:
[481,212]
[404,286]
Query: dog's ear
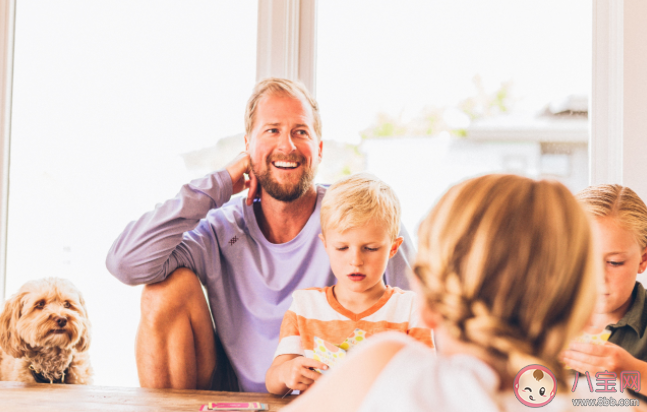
[9,339]
[84,340]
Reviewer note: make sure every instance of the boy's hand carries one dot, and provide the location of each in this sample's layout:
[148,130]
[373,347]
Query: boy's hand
[593,358]
[297,374]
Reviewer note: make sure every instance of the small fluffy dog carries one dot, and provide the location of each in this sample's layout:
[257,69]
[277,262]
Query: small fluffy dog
[45,334]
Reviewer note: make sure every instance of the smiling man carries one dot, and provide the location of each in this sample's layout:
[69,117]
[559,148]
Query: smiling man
[249,253]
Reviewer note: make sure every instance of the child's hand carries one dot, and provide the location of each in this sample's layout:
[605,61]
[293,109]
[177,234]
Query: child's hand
[297,373]
[593,358]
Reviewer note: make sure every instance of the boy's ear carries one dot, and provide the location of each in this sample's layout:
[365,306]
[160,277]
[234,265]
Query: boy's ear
[643,261]
[323,239]
[395,246]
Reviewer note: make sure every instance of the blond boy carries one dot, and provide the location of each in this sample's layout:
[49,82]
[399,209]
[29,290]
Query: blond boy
[360,223]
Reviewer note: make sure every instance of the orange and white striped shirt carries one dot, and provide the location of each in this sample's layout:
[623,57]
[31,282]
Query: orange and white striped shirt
[316,312]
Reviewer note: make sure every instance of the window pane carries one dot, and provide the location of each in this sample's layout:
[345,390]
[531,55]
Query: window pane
[435,92]
[116,105]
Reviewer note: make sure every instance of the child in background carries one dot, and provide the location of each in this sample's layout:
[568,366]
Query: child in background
[506,266]
[360,224]
[620,225]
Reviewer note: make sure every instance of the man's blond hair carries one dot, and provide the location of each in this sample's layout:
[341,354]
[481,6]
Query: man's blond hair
[284,87]
[620,203]
[508,263]
[356,199]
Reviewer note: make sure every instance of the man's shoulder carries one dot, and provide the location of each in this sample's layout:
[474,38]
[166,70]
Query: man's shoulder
[231,213]
[235,203]
[225,225]
[322,188]
[321,192]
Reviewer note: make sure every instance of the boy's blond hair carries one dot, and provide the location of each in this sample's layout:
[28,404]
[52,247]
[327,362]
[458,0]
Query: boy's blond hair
[354,200]
[285,87]
[509,265]
[620,203]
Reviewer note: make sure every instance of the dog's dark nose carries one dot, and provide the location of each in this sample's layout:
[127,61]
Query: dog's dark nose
[61,322]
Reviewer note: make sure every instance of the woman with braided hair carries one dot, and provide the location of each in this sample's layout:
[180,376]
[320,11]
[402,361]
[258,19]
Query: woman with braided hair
[506,269]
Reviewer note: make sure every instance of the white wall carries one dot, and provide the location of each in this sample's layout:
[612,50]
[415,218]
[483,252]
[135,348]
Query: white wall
[635,96]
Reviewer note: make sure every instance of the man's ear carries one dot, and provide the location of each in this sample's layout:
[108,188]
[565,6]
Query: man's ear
[320,149]
[395,246]
[246,143]
[643,261]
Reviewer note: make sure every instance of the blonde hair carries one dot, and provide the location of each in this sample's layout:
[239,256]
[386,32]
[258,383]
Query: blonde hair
[278,86]
[354,200]
[618,202]
[508,264]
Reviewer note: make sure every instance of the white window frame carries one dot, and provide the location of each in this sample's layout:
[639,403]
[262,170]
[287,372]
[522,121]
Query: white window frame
[7,20]
[287,40]
[618,120]
[286,47]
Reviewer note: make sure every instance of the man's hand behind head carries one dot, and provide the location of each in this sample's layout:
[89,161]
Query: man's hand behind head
[237,169]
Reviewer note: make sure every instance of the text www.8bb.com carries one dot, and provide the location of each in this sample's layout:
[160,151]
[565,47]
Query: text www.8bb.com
[604,401]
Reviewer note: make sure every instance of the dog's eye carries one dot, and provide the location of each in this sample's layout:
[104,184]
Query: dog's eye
[67,305]
[40,304]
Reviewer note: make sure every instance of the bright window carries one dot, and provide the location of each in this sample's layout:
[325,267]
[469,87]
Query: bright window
[113,102]
[434,92]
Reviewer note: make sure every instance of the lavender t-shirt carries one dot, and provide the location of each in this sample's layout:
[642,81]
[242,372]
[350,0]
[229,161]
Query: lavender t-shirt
[249,280]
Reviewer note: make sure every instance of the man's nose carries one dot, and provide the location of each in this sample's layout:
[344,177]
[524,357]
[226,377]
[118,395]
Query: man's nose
[286,144]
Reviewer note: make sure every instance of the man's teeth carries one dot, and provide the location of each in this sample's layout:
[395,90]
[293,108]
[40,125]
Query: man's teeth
[285,164]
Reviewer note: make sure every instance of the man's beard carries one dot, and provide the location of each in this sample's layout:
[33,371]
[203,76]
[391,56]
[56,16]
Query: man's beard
[285,192]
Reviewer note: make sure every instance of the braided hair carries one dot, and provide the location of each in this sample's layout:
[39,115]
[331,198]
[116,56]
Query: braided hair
[508,263]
